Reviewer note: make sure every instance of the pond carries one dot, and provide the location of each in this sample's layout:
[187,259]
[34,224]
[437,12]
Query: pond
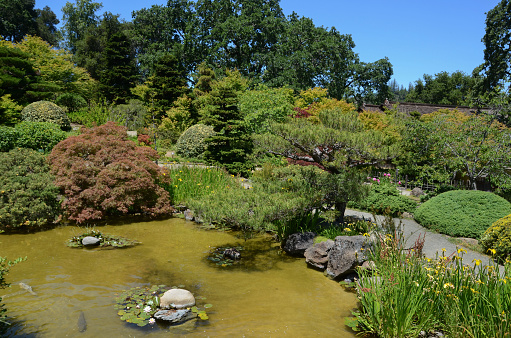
[267,294]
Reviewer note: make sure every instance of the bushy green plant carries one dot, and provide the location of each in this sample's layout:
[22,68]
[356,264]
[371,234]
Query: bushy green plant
[38,135]
[95,115]
[131,115]
[192,142]
[102,173]
[385,197]
[462,213]
[498,238]
[71,102]
[9,110]
[45,111]
[28,197]
[437,191]
[8,138]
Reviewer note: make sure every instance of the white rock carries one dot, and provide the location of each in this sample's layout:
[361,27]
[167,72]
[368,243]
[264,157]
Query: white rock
[177,299]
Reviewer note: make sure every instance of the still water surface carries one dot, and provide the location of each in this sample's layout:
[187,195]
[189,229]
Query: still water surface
[269,294]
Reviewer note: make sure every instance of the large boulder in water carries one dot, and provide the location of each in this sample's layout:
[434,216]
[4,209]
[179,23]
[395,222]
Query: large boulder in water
[90,241]
[177,299]
[347,253]
[317,255]
[296,244]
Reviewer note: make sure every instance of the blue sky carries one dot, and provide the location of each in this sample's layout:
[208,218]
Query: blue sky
[418,37]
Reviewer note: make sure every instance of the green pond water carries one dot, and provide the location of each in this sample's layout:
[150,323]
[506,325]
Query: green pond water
[267,294]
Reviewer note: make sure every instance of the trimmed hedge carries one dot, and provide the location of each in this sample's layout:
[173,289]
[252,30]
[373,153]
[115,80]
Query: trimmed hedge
[462,213]
[498,238]
[46,111]
[192,142]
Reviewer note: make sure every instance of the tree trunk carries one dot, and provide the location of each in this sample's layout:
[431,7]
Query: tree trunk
[341,208]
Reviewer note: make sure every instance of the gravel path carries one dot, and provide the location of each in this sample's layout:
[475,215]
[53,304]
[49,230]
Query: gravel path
[434,243]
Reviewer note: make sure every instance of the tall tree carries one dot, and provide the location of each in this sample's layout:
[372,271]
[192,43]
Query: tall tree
[17,19]
[120,73]
[497,41]
[443,88]
[47,26]
[77,18]
[168,82]
[232,144]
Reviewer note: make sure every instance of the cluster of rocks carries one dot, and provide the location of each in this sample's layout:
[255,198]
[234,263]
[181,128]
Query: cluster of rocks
[174,305]
[337,258]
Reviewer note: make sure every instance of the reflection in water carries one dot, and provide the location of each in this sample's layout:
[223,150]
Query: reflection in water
[267,294]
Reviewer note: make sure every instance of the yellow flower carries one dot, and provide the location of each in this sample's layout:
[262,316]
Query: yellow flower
[493,251]
[347,229]
[476,261]
[444,250]
[462,250]
[179,180]
[366,234]
[448,285]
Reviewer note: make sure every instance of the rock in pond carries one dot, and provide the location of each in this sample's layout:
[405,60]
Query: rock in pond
[177,299]
[347,253]
[174,316]
[188,215]
[90,241]
[296,244]
[317,255]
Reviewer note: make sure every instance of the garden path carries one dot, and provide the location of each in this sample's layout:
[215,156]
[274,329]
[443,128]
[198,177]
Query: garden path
[434,242]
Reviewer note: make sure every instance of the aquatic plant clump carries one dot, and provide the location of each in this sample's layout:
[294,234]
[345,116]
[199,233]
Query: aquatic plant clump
[139,305]
[219,258]
[105,240]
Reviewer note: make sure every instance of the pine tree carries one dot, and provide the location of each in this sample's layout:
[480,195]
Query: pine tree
[232,144]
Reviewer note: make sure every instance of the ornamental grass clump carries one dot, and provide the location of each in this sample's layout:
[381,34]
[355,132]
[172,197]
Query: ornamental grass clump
[101,173]
[408,294]
[462,213]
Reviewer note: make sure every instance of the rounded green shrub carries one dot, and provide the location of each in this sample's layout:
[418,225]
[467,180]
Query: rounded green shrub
[462,213]
[192,142]
[41,136]
[498,238]
[8,138]
[71,102]
[28,197]
[45,111]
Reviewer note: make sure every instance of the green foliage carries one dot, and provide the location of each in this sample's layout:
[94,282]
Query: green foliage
[231,145]
[263,105]
[98,113]
[45,111]
[8,138]
[138,305]
[462,213]
[131,115]
[5,266]
[71,102]
[41,136]
[9,111]
[192,143]
[28,197]
[194,183]
[498,237]
[384,197]
[102,173]
[443,88]
[105,240]
[407,294]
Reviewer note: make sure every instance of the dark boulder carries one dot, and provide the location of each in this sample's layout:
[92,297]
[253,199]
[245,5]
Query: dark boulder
[317,255]
[296,244]
[347,253]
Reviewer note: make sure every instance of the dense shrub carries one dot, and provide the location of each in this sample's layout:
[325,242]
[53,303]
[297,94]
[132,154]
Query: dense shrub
[71,102]
[192,142]
[102,173]
[462,213]
[131,115]
[45,111]
[8,138]
[498,238]
[28,197]
[38,135]
[384,197]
